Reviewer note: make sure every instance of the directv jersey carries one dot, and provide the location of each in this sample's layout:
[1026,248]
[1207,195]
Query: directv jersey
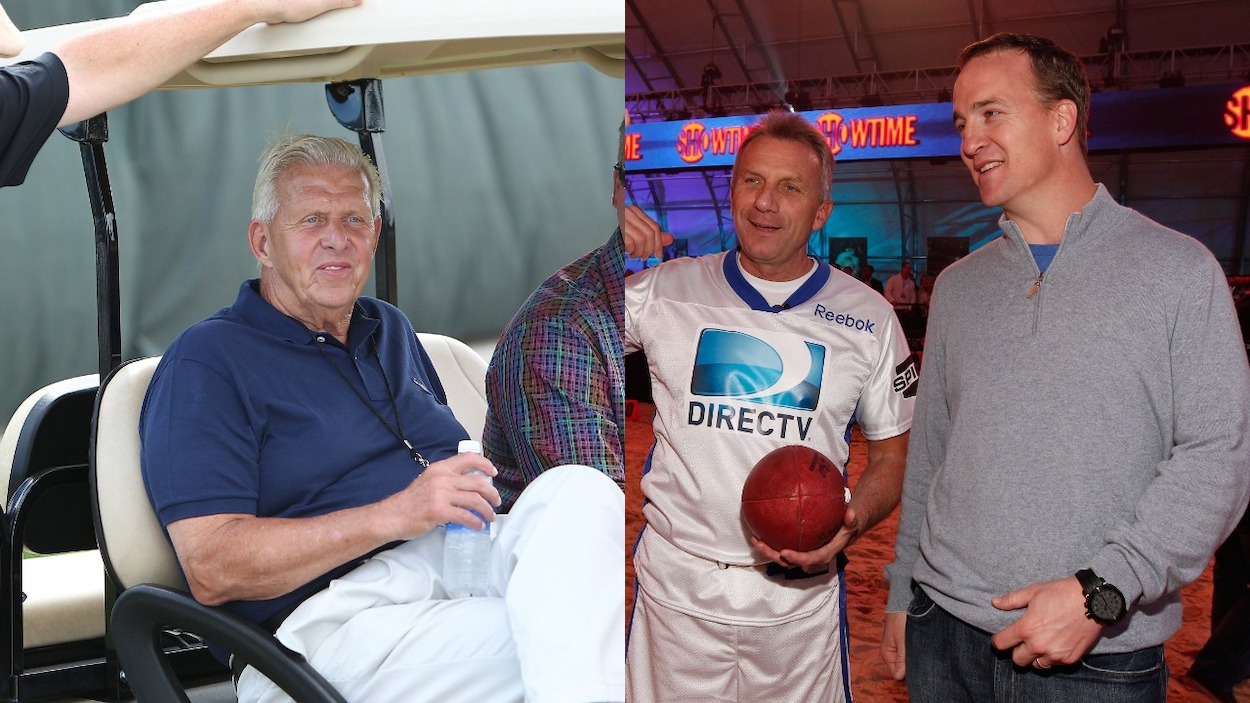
[734,378]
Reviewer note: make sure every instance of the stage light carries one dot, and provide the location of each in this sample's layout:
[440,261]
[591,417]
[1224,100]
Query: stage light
[711,103]
[798,100]
[1172,79]
[711,74]
[1116,40]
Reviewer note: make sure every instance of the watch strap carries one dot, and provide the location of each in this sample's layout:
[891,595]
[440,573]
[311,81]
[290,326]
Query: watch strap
[1089,581]
[1092,585]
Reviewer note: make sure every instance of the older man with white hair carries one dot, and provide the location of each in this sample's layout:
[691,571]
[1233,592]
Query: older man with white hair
[299,449]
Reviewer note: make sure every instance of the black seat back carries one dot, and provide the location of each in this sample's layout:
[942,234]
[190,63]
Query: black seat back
[52,431]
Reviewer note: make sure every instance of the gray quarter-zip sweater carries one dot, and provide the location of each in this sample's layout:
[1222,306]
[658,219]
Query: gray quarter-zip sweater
[1094,417]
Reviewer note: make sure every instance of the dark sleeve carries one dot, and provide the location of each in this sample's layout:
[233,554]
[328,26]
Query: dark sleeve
[33,96]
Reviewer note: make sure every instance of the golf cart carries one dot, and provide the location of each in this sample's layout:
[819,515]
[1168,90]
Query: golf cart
[71,449]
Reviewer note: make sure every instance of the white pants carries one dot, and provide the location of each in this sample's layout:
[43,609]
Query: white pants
[679,658]
[552,630]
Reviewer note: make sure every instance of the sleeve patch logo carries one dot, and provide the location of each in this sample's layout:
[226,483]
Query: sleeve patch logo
[907,374]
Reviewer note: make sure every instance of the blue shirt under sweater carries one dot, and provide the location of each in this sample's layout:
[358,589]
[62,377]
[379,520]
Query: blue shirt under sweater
[1043,254]
[246,415]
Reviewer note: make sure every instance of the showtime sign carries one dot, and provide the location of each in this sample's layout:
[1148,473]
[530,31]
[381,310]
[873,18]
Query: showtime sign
[1194,116]
[695,139]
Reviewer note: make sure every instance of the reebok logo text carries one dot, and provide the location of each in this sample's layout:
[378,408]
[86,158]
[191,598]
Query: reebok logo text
[840,318]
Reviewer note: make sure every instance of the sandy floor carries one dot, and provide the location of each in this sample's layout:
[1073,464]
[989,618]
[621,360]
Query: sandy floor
[866,586]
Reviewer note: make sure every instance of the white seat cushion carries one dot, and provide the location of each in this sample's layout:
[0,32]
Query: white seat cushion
[64,598]
[462,372]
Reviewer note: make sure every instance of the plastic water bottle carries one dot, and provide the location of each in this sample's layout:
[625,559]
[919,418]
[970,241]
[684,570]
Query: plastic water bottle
[466,551]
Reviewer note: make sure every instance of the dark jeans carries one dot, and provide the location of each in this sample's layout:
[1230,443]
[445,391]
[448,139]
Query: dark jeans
[949,661]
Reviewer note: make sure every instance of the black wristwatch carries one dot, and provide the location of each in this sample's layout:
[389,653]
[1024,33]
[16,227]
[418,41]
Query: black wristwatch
[1104,604]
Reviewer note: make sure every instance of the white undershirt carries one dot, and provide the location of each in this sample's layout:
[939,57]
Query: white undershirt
[776,292]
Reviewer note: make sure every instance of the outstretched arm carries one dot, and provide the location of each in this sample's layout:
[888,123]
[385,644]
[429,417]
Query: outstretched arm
[130,56]
[10,37]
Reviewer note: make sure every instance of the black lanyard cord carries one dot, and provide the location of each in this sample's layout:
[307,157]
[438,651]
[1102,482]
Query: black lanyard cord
[320,339]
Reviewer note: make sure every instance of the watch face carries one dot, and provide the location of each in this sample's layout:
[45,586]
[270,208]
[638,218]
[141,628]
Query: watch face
[1106,605]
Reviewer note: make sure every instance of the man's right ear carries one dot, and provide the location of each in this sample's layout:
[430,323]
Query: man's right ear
[258,241]
[1065,121]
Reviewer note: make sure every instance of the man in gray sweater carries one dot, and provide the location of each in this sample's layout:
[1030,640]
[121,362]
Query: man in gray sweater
[1080,441]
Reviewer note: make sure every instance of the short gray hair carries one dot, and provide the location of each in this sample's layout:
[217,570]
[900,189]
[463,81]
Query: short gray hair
[310,150]
[790,127]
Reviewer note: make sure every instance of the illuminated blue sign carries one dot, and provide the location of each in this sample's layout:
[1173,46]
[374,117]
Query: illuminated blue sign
[1207,115]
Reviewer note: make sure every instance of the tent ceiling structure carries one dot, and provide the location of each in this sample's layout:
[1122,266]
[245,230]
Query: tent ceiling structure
[692,59]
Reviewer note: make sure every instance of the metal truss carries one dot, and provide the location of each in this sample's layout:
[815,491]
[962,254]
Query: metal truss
[1113,71]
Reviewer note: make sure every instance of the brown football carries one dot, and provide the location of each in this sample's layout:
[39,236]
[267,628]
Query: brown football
[794,498]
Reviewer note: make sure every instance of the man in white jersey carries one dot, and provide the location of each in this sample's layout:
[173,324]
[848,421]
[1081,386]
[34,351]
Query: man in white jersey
[750,350]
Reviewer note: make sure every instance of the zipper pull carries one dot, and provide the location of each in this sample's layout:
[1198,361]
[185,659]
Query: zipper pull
[1036,285]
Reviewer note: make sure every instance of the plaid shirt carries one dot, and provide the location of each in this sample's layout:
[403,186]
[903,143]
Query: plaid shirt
[555,388]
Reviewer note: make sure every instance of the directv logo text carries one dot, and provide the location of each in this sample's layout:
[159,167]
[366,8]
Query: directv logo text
[840,318]
[748,420]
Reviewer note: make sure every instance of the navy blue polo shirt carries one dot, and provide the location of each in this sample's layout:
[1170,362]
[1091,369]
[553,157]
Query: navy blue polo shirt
[246,415]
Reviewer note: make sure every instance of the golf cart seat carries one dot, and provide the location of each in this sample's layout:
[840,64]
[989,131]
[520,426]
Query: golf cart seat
[462,372]
[55,601]
[152,592]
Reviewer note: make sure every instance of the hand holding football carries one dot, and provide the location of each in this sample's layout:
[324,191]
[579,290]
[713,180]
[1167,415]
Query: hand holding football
[794,498]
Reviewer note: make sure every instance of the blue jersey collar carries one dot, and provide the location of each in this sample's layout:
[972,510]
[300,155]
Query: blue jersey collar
[752,297]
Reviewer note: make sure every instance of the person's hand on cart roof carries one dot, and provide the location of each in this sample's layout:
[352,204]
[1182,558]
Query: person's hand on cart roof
[117,61]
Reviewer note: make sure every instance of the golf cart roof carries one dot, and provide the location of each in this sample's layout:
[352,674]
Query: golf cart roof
[388,38]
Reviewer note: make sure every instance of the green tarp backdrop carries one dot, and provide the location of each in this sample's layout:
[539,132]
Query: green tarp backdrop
[499,177]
